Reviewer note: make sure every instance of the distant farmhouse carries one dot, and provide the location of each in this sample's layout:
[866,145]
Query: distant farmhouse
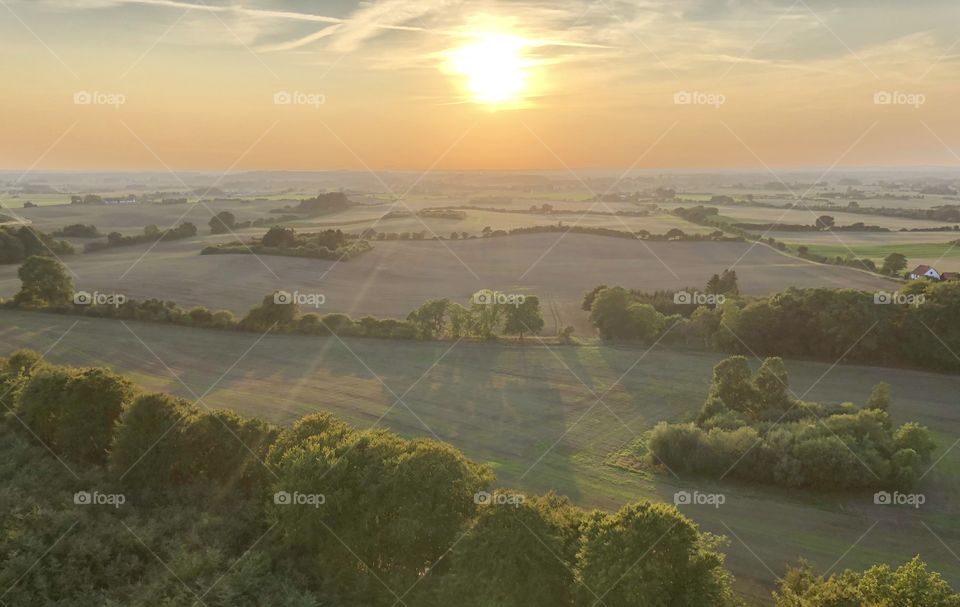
[933,274]
[94,199]
[123,200]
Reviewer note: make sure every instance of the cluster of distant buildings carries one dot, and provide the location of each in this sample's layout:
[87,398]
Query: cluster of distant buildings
[932,273]
[94,199]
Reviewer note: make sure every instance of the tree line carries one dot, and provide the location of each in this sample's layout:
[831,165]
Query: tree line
[279,240]
[318,513]
[19,243]
[46,285]
[151,233]
[905,328]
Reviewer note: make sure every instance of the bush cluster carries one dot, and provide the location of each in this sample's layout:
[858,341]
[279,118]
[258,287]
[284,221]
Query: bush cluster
[151,234]
[751,427]
[329,244]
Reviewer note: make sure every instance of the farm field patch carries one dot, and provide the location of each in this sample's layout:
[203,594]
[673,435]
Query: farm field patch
[397,276]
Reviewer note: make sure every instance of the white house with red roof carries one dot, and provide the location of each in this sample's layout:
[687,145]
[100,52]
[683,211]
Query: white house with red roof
[925,272]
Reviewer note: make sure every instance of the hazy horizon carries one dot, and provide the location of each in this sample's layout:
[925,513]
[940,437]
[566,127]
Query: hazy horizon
[445,85]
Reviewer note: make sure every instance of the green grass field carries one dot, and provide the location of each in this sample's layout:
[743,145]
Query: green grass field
[532,413]
[934,248]
[745,214]
[15,202]
[944,256]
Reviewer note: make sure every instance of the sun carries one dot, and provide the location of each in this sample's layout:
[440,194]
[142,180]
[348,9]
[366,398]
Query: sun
[494,66]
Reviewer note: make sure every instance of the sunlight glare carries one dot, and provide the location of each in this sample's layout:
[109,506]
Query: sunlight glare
[494,66]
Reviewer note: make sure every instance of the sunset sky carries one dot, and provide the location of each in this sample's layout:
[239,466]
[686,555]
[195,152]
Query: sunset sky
[415,84]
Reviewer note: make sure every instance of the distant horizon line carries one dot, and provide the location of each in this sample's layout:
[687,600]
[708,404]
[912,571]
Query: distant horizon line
[759,170]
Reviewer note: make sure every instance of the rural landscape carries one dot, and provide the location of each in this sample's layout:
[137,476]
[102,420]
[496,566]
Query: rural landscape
[378,304]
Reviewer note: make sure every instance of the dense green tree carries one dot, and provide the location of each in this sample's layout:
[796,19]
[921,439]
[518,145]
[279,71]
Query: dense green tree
[825,222]
[430,318]
[460,320]
[487,313]
[277,310]
[713,285]
[515,554]
[279,236]
[771,384]
[19,243]
[880,397]
[910,585]
[22,362]
[645,322]
[609,312]
[397,504]
[894,263]
[74,411]
[337,323]
[524,318]
[318,429]
[229,451]
[44,282]
[733,384]
[93,401]
[41,402]
[78,230]
[149,442]
[912,435]
[587,304]
[650,555]
[223,222]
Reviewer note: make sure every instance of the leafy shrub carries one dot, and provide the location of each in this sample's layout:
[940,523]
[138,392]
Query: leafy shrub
[751,428]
